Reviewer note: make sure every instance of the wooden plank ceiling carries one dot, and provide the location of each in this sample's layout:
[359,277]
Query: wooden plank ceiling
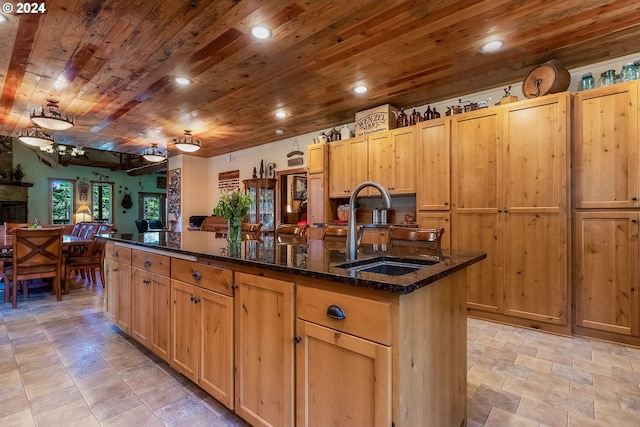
[112,63]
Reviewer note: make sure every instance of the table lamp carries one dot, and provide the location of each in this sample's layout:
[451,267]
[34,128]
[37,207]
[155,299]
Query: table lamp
[83,212]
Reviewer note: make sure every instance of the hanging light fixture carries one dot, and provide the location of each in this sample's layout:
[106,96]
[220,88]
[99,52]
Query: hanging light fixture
[154,155]
[188,144]
[35,137]
[50,118]
[64,153]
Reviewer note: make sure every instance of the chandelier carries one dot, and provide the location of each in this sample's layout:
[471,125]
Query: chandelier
[35,137]
[62,150]
[188,144]
[154,155]
[50,118]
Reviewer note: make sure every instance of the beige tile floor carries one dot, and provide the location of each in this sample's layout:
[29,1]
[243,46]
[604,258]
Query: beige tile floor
[64,364]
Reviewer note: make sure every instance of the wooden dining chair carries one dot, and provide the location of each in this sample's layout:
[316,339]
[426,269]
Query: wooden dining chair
[291,233]
[76,229]
[423,236]
[37,254]
[335,236]
[215,224]
[94,259]
[248,227]
[9,227]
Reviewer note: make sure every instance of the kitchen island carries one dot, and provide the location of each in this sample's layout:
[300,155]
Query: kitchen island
[287,334]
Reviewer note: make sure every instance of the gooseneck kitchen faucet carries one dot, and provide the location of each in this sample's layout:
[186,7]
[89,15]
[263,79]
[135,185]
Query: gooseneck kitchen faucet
[352,244]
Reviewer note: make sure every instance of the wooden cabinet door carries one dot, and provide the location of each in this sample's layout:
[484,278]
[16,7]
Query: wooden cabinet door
[535,152]
[160,339]
[142,306]
[358,166]
[216,345]
[120,279]
[264,326]
[433,186]
[606,271]
[403,161]
[317,205]
[338,170]
[476,161]
[185,330]
[381,158]
[481,232]
[341,379]
[111,281]
[606,147]
[151,322]
[476,196]
[316,158]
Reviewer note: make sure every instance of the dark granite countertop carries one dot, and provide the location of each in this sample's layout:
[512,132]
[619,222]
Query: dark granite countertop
[313,258]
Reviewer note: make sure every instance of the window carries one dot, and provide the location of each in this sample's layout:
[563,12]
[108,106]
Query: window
[152,206]
[61,197]
[102,193]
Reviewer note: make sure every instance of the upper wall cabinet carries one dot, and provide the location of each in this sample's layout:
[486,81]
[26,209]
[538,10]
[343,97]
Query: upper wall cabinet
[606,147]
[347,165]
[392,160]
[316,158]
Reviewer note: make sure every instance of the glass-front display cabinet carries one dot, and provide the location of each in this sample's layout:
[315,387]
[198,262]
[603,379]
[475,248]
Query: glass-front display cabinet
[262,210]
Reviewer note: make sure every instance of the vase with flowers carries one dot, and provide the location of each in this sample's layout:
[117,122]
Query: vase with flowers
[233,206]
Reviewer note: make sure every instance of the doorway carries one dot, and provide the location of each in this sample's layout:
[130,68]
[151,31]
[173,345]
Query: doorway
[292,196]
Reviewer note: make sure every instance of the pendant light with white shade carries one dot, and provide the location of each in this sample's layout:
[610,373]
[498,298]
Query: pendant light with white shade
[154,155]
[188,144]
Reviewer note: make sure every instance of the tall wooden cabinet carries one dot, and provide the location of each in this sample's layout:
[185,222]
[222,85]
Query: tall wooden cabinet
[262,210]
[264,332]
[475,203]
[511,199]
[433,183]
[607,183]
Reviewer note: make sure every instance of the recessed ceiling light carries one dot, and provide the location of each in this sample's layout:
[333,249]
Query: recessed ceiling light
[491,46]
[279,132]
[260,32]
[360,89]
[281,114]
[182,80]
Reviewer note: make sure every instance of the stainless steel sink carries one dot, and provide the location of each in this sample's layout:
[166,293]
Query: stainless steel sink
[390,266]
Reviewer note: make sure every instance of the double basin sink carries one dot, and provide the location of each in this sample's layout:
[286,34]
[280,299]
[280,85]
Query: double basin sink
[388,265]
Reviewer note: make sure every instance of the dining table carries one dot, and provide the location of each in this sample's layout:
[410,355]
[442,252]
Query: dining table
[68,240]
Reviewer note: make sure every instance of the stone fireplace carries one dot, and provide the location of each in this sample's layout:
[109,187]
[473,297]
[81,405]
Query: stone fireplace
[14,195]
[14,198]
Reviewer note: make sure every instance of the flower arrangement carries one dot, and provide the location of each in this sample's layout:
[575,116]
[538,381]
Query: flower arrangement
[233,206]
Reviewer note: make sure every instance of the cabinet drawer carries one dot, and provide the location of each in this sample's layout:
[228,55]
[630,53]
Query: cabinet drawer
[155,263]
[205,276]
[362,317]
[118,253]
